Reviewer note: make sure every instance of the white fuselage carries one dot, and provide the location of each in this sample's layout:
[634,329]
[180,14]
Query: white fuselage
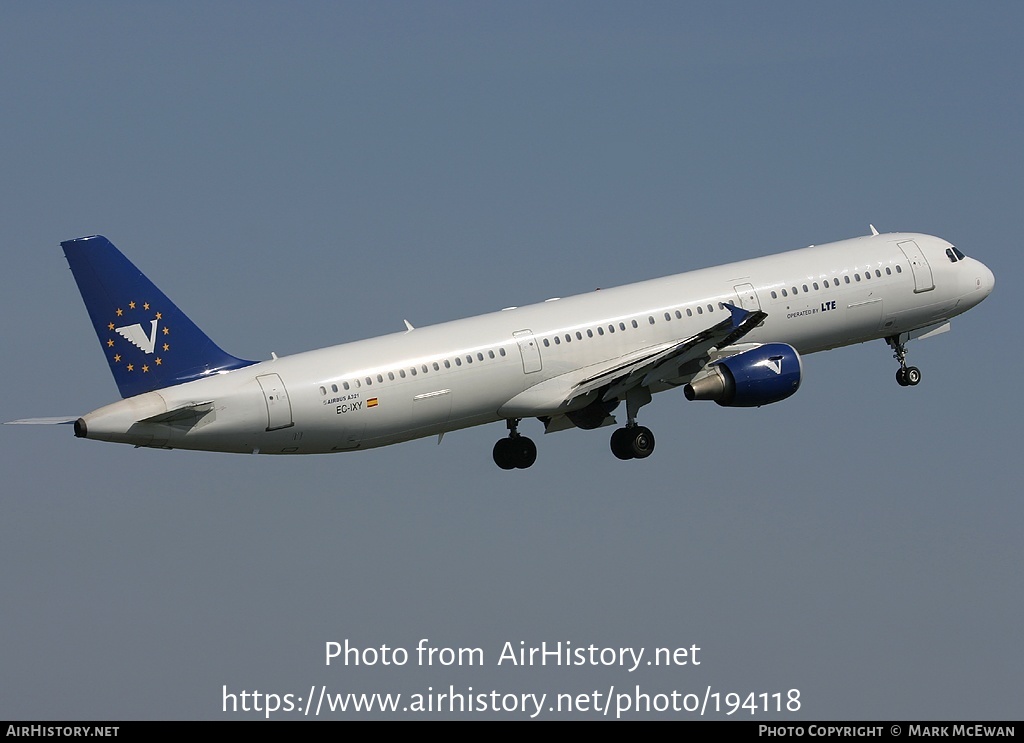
[522,362]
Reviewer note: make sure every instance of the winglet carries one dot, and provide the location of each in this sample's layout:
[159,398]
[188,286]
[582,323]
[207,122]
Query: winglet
[738,314]
[149,342]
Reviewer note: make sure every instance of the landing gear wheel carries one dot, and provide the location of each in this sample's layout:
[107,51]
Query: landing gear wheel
[912,376]
[503,454]
[632,442]
[620,444]
[641,442]
[517,452]
[524,452]
[901,377]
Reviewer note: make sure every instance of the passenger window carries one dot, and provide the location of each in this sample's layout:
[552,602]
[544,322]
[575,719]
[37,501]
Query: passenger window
[634,324]
[334,388]
[689,312]
[700,310]
[898,269]
[547,344]
[805,288]
[369,382]
[650,320]
[888,271]
[846,279]
[679,315]
[391,376]
[323,390]
[458,361]
[815,285]
[344,385]
[600,331]
[774,294]
[401,373]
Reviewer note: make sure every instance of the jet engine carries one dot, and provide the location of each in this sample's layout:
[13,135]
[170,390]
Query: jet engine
[760,376]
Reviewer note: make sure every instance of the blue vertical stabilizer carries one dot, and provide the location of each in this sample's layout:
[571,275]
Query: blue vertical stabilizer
[149,343]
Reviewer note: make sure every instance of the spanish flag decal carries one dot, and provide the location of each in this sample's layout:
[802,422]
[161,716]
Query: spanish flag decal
[372,402]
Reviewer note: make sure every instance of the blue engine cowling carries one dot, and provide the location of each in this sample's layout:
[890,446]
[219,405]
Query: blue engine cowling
[760,376]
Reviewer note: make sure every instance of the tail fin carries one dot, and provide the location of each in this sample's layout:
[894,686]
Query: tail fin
[149,343]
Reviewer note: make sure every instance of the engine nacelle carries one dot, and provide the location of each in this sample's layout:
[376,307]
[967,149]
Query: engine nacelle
[760,376]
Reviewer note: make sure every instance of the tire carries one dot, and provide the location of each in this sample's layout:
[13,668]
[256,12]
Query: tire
[524,452]
[503,454]
[913,376]
[620,444]
[641,442]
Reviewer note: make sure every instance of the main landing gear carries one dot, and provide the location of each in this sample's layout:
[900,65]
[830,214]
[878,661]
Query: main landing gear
[633,441]
[516,451]
[906,376]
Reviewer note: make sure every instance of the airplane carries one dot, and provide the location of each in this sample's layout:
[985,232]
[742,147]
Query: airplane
[735,334]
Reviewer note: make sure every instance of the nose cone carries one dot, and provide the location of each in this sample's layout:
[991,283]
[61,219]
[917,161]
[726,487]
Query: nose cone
[986,279]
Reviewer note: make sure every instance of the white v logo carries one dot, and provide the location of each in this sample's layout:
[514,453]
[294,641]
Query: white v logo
[135,334]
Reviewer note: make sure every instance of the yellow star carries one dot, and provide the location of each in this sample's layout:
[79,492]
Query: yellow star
[131,367]
[110,343]
[110,326]
[159,315]
[167,330]
[158,361]
[167,346]
[131,305]
[145,368]
[117,357]
[145,305]
[119,312]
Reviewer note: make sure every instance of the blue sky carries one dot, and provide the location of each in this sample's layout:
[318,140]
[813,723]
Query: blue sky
[303,175]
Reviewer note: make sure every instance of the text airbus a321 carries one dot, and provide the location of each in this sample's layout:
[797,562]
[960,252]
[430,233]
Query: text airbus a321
[734,334]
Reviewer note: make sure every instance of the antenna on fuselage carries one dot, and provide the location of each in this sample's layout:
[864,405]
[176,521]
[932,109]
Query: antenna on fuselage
[873,230]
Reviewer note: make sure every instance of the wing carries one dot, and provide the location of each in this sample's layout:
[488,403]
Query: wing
[670,363]
[666,362]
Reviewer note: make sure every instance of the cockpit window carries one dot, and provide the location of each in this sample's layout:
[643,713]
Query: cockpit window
[959,254]
[950,255]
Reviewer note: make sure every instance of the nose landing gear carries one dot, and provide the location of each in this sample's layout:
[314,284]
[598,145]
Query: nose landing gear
[906,376]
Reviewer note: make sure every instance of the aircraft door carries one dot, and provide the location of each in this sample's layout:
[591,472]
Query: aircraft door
[279,407]
[529,350]
[747,297]
[919,265]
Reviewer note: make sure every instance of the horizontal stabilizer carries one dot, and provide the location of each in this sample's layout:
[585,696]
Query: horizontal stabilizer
[190,412]
[41,421]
